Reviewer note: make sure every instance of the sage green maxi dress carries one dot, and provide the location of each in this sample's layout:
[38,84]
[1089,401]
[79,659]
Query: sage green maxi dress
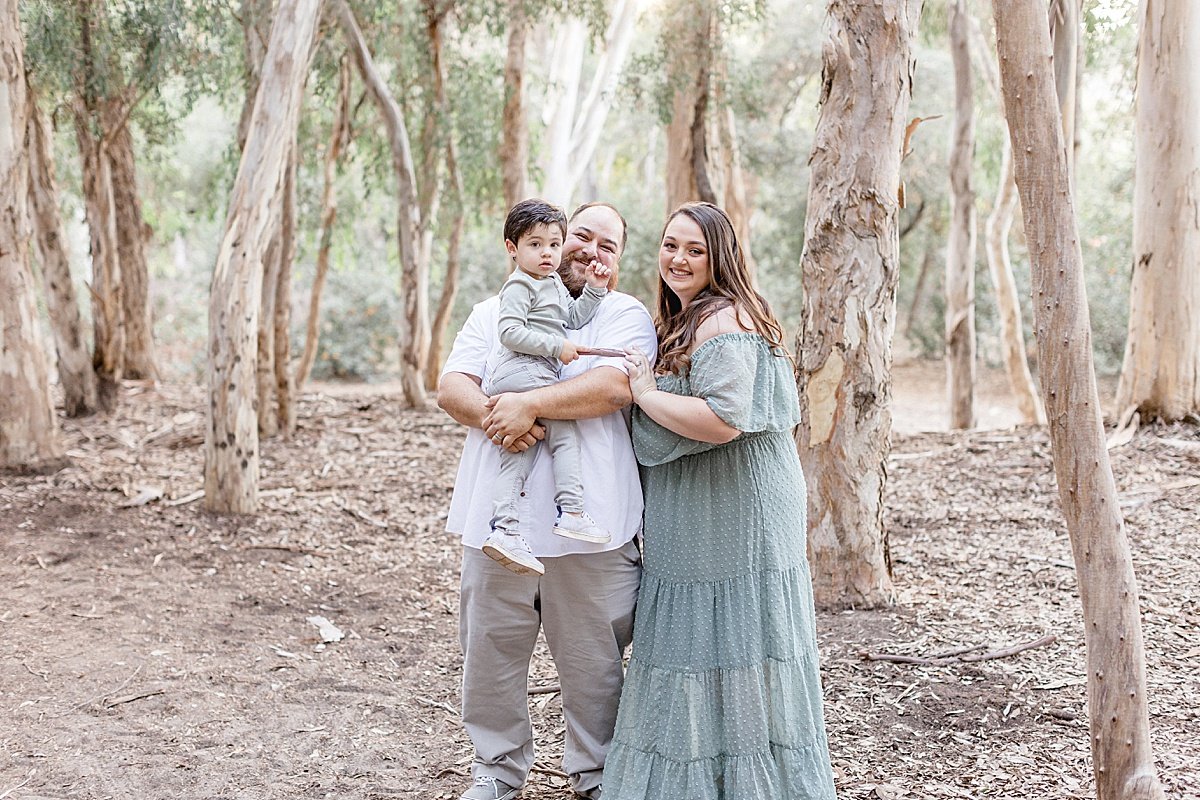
[722,698]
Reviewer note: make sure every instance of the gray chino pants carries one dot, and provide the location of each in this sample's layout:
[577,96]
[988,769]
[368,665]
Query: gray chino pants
[585,605]
[518,372]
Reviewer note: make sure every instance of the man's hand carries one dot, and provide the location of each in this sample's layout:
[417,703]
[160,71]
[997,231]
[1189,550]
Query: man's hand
[510,416]
[524,442]
[570,352]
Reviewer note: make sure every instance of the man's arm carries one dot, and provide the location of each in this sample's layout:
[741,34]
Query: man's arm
[595,393]
[460,396]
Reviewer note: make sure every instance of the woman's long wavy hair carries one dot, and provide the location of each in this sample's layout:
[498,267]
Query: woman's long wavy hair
[728,285]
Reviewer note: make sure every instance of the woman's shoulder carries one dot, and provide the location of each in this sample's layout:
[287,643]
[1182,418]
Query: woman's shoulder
[730,319]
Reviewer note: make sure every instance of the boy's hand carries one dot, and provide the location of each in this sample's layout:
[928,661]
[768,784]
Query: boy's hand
[569,352]
[597,275]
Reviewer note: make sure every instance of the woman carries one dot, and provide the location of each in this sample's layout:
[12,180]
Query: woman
[722,697]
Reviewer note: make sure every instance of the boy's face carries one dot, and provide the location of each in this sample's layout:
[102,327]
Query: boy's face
[538,251]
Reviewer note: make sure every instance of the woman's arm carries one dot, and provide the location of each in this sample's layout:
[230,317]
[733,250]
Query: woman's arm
[688,416]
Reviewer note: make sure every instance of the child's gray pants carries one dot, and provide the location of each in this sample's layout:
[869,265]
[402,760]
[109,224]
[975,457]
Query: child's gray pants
[518,372]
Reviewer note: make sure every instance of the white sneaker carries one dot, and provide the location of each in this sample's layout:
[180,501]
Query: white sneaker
[489,788]
[511,550]
[582,527]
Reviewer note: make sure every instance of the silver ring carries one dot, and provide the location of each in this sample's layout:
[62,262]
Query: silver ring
[497,438]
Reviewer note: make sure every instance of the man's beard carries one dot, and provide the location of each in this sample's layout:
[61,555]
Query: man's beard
[574,281]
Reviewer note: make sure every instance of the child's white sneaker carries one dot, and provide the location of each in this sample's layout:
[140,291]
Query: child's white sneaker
[511,550]
[582,527]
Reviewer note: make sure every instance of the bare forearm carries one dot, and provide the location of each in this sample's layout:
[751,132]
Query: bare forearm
[687,416]
[595,393]
[459,396]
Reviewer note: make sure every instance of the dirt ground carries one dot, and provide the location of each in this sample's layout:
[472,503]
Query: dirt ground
[151,650]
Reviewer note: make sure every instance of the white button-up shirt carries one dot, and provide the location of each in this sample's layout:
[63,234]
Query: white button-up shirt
[612,492]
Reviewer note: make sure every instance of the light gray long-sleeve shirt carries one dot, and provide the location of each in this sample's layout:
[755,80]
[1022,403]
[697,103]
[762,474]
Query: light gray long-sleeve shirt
[534,313]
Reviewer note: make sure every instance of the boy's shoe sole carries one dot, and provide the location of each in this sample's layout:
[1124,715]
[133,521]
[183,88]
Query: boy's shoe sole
[514,562]
[583,537]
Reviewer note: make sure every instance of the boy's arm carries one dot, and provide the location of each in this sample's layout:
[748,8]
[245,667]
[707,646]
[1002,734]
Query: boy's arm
[516,300]
[597,392]
[580,311]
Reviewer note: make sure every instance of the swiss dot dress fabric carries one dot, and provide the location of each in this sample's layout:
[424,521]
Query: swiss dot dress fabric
[722,698]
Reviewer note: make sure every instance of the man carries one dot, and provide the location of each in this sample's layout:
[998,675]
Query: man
[584,601]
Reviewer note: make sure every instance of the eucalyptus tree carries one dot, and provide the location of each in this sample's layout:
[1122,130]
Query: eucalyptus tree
[514,149]
[75,371]
[702,150]
[849,269]
[231,449]
[29,437]
[1161,373]
[960,249]
[1122,759]
[107,63]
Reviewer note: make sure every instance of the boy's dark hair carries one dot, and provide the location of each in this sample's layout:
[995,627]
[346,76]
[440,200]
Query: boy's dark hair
[530,213]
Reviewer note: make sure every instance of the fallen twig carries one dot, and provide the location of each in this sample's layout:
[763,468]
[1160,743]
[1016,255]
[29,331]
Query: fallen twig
[342,504]
[435,704]
[129,698]
[558,773]
[961,658]
[91,700]
[551,689]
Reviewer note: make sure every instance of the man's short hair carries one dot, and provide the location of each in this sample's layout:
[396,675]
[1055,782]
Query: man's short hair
[611,207]
[528,214]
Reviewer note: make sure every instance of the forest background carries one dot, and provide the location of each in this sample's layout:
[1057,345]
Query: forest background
[185,130]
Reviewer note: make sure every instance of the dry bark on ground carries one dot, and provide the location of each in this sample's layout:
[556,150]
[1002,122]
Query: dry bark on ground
[152,650]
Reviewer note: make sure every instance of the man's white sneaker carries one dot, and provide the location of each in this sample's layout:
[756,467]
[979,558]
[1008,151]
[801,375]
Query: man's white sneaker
[489,788]
[582,527]
[511,550]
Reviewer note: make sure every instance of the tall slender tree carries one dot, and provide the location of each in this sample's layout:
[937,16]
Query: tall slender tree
[231,450]
[1118,716]
[849,268]
[514,148]
[29,438]
[960,250]
[414,274]
[75,371]
[1161,373]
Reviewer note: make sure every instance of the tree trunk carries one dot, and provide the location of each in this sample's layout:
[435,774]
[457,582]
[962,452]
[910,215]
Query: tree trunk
[441,319]
[1118,717]
[850,267]
[1008,304]
[131,247]
[108,317]
[960,248]
[285,378]
[338,140]
[74,363]
[514,148]
[414,276]
[29,439]
[264,363]
[692,173]
[1161,373]
[566,72]
[231,441]
[1064,33]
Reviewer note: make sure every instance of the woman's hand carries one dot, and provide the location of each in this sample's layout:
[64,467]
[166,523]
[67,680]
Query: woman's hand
[641,376]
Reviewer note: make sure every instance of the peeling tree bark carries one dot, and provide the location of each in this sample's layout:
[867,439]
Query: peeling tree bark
[692,171]
[960,249]
[414,275]
[1117,710]
[850,267]
[231,461]
[29,438]
[1161,373]
[139,361]
[74,362]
